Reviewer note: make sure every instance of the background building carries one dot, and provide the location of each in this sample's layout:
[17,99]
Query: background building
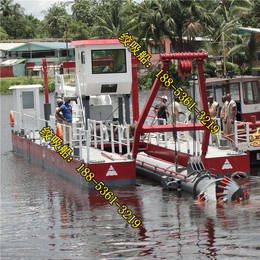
[29,58]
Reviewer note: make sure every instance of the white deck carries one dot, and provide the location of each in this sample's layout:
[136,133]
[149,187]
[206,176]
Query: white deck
[213,150]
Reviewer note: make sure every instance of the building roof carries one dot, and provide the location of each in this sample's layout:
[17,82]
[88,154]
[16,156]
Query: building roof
[8,46]
[244,30]
[196,39]
[95,42]
[42,45]
[26,86]
[12,62]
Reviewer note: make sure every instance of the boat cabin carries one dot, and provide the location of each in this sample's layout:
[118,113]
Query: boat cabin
[245,91]
[103,67]
[26,101]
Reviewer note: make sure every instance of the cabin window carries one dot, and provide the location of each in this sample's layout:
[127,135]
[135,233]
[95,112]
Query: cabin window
[157,49]
[82,57]
[109,88]
[234,91]
[108,61]
[251,92]
[28,100]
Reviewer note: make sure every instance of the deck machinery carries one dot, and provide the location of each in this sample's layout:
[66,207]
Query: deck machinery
[192,175]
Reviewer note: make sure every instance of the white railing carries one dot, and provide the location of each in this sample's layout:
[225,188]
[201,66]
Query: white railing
[59,84]
[239,138]
[121,140]
[84,133]
[29,124]
[92,127]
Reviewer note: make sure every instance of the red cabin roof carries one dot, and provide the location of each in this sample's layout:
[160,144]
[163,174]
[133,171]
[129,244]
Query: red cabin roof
[95,42]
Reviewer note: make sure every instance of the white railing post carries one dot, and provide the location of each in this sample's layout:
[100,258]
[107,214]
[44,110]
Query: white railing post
[56,82]
[88,145]
[112,138]
[127,141]
[107,136]
[80,144]
[165,133]
[101,136]
[34,127]
[62,85]
[178,139]
[88,125]
[120,138]
[210,139]
[157,138]
[64,133]
[95,133]
[219,132]
[39,123]
[247,135]
[24,124]
[236,141]
[70,136]
[198,143]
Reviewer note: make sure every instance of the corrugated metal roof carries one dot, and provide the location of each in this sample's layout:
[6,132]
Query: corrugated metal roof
[52,45]
[49,45]
[12,62]
[95,42]
[9,46]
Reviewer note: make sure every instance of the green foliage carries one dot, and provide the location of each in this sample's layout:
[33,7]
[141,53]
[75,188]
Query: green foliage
[146,81]
[252,19]
[6,83]
[3,34]
[113,18]
[210,68]
[56,19]
[78,30]
[84,11]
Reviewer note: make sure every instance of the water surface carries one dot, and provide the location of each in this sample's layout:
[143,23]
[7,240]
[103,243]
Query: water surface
[44,216]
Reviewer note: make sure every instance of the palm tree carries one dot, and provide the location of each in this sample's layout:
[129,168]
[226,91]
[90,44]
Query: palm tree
[148,22]
[233,9]
[114,19]
[55,20]
[185,18]
[17,12]
[6,7]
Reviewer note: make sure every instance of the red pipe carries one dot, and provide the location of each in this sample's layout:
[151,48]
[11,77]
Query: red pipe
[135,97]
[184,56]
[204,104]
[45,72]
[169,128]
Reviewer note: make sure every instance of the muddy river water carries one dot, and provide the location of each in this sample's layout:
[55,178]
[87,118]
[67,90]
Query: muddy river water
[44,216]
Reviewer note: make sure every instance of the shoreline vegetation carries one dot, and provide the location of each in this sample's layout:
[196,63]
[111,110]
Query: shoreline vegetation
[145,81]
[6,83]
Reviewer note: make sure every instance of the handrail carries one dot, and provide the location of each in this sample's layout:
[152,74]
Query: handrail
[80,98]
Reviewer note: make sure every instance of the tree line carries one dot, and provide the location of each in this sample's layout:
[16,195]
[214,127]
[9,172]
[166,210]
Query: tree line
[146,20]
